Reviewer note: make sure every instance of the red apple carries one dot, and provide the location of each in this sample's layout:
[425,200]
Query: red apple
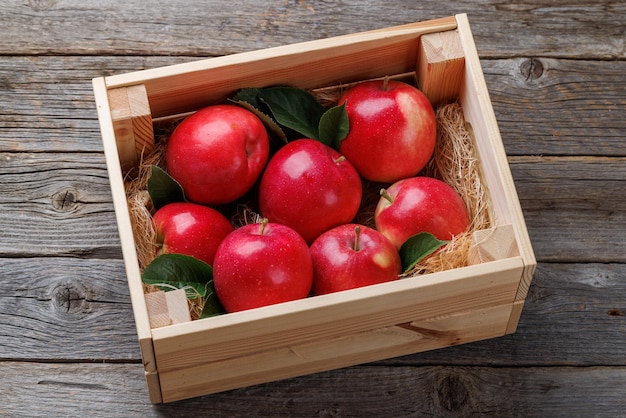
[351,256]
[392,130]
[310,187]
[420,204]
[261,264]
[217,153]
[190,229]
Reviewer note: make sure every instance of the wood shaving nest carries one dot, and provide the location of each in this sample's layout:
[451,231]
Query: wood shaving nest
[454,162]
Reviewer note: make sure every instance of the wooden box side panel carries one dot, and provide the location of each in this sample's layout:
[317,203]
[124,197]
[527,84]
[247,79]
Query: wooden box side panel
[332,316]
[127,241]
[331,353]
[187,87]
[478,111]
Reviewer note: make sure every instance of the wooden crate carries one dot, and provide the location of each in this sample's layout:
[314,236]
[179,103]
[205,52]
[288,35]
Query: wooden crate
[452,307]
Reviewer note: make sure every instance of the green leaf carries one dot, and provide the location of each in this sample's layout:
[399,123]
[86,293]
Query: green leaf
[178,271]
[212,305]
[294,108]
[163,189]
[250,96]
[418,247]
[334,126]
[275,129]
[249,99]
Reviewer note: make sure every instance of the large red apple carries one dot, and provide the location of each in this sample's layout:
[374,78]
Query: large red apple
[351,256]
[190,229]
[217,153]
[261,264]
[310,187]
[420,204]
[392,130]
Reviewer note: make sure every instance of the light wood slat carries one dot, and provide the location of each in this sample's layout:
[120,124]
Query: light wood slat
[122,216]
[496,173]
[359,56]
[326,354]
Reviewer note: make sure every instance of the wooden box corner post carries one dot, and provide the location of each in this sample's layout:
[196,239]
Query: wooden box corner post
[167,308]
[440,66]
[132,123]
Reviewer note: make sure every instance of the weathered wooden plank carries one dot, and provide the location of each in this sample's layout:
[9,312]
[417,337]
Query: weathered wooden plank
[48,105]
[567,101]
[549,107]
[117,390]
[80,310]
[60,204]
[573,206]
[56,204]
[221,27]
[64,308]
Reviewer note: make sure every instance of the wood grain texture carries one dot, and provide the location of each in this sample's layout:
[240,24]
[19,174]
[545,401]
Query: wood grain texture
[118,390]
[68,344]
[78,310]
[574,315]
[552,107]
[56,204]
[572,205]
[49,106]
[133,27]
[60,204]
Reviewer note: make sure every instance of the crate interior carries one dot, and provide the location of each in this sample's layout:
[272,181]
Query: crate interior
[329,326]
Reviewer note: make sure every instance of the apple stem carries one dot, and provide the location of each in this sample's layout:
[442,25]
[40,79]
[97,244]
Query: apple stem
[357,234]
[340,159]
[264,222]
[383,193]
[385,82]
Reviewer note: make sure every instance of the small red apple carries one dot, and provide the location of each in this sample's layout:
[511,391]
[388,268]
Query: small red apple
[351,256]
[392,130]
[420,204]
[261,264]
[310,187]
[217,153]
[190,229]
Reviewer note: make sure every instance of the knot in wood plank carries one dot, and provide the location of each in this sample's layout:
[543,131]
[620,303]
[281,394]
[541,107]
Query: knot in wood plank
[531,69]
[453,392]
[69,298]
[65,200]
[42,5]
